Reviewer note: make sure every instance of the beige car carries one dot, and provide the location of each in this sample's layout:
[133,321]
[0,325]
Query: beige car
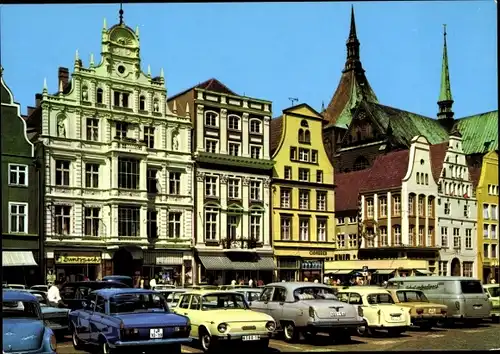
[423,313]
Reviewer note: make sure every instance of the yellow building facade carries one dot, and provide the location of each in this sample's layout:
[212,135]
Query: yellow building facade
[487,194]
[303,199]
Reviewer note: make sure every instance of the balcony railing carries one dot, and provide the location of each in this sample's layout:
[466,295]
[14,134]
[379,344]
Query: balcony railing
[239,243]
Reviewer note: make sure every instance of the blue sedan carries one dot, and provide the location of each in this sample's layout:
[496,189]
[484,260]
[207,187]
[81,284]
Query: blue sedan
[130,319]
[23,328]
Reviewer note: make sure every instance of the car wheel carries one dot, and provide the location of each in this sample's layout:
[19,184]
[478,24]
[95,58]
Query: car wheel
[77,344]
[364,330]
[206,341]
[495,319]
[290,332]
[105,349]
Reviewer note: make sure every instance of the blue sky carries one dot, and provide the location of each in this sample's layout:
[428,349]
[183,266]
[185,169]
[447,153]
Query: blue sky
[271,51]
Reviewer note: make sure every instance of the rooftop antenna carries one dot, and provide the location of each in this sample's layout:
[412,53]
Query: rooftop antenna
[121,13]
[293,100]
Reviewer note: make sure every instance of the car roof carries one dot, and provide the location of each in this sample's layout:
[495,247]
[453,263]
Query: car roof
[297,284]
[426,278]
[110,292]
[491,285]
[117,277]
[15,295]
[363,290]
[95,283]
[172,290]
[203,292]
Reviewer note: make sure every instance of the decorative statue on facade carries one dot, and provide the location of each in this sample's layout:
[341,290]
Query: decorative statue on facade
[175,139]
[61,128]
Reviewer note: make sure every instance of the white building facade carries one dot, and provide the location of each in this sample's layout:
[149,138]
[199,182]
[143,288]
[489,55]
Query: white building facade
[457,214]
[118,169]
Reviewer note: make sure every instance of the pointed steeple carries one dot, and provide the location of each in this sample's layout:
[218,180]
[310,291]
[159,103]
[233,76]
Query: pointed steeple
[91,60]
[45,88]
[121,13]
[352,45]
[445,102]
[104,25]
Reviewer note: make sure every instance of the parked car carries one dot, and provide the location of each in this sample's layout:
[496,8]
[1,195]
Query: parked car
[251,294]
[234,287]
[73,293]
[202,287]
[308,308]
[24,330]
[493,293]
[137,320]
[44,288]
[423,313]
[379,310]
[172,296]
[120,278]
[160,287]
[56,318]
[464,296]
[15,286]
[224,317]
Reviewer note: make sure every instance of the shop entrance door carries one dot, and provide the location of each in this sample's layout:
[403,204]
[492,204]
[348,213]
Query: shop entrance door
[123,263]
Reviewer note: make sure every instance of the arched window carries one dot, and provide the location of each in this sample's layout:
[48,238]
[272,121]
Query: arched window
[427,179]
[211,119]
[360,163]
[255,126]
[100,95]
[233,122]
[142,103]
[301,135]
[307,136]
[304,123]
[418,177]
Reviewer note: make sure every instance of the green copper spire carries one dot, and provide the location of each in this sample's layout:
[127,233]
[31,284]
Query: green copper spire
[445,98]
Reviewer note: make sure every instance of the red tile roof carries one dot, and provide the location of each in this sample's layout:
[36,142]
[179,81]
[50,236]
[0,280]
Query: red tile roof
[276,130]
[438,153]
[387,171]
[348,186]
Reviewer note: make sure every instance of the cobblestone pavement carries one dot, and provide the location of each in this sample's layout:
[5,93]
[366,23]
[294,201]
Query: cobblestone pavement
[483,337]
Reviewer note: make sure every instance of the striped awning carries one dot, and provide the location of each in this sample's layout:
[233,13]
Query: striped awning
[224,263]
[18,259]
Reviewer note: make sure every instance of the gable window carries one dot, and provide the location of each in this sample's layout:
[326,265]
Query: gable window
[304,136]
[321,200]
[418,177]
[211,186]
[211,119]
[174,183]
[142,103]
[233,122]
[304,199]
[18,218]
[486,211]
[174,225]
[92,219]
[149,137]
[430,207]
[92,129]
[62,219]
[286,225]
[128,221]
[383,207]
[255,190]
[233,188]
[444,236]
[369,208]
[319,176]
[421,207]
[99,96]
[62,173]
[321,230]
[304,155]
[92,175]
[211,216]
[121,129]
[211,145]
[288,172]
[493,231]
[234,149]
[397,205]
[255,226]
[304,229]
[128,173]
[314,156]
[286,198]
[304,174]
[255,126]
[18,175]
[360,163]
[494,212]
[340,220]
[447,208]
[255,152]
[411,204]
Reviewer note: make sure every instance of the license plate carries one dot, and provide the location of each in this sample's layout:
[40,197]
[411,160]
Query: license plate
[155,333]
[432,310]
[254,337]
[477,307]
[395,317]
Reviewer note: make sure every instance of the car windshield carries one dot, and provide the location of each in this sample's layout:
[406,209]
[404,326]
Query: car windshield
[380,298]
[16,309]
[172,296]
[127,303]
[494,291]
[223,301]
[412,296]
[314,293]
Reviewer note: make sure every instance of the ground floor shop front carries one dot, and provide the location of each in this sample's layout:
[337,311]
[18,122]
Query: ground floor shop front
[21,267]
[222,268]
[166,265]
[490,273]
[301,265]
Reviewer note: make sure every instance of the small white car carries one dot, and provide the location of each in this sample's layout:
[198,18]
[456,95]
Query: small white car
[379,310]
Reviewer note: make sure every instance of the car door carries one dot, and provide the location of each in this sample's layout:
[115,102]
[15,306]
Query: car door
[277,303]
[262,304]
[195,314]
[83,319]
[97,321]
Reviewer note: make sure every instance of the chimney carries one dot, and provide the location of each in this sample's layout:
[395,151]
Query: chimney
[63,76]
[38,99]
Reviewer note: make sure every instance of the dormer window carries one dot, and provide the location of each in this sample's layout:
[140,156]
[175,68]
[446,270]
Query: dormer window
[211,119]
[142,103]
[233,122]
[85,93]
[255,126]
[99,95]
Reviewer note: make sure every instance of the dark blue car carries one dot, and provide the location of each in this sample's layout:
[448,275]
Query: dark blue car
[129,319]
[23,328]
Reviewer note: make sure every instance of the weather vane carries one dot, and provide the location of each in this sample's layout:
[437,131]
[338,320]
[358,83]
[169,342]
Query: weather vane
[121,13]
[293,100]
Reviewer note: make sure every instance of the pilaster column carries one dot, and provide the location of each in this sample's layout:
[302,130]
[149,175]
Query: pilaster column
[244,126]
[426,231]
[389,219]
[200,126]
[200,210]
[266,152]
[223,201]
[265,226]
[113,229]
[143,217]
[114,172]
[223,131]
[143,175]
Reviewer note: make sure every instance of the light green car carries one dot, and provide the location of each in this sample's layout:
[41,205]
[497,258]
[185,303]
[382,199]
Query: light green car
[493,292]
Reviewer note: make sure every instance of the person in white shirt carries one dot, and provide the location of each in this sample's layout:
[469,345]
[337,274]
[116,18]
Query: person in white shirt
[54,296]
[233,282]
[152,283]
[250,282]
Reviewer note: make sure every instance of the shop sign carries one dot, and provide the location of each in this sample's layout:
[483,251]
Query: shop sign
[313,265]
[64,259]
[169,259]
[318,253]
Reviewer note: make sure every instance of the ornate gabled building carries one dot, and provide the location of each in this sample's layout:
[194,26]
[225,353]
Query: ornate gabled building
[232,187]
[357,128]
[118,167]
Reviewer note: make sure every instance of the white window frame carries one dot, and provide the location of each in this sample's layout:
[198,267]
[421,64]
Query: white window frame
[304,154]
[321,197]
[286,228]
[17,214]
[234,148]
[285,198]
[92,174]
[62,170]
[447,208]
[287,172]
[486,231]
[304,229]
[258,124]
[92,128]
[444,236]
[18,169]
[174,184]
[304,199]
[322,227]
[211,142]
[255,148]
[421,206]
[457,242]
[493,231]
[90,219]
[233,188]
[319,176]
[494,211]
[215,117]
[421,236]
[341,240]
[383,207]
[398,240]
[397,205]
[255,190]
[384,238]
[231,120]
[468,238]
[211,184]
[307,174]
[174,224]
[256,225]
[486,211]
[213,212]
[370,208]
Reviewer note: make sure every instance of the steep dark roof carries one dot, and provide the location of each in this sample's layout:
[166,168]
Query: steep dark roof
[348,187]
[276,129]
[438,153]
[479,132]
[474,174]
[387,171]
[212,84]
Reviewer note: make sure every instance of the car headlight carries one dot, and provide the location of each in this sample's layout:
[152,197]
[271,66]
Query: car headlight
[53,342]
[222,328]
[271,326]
